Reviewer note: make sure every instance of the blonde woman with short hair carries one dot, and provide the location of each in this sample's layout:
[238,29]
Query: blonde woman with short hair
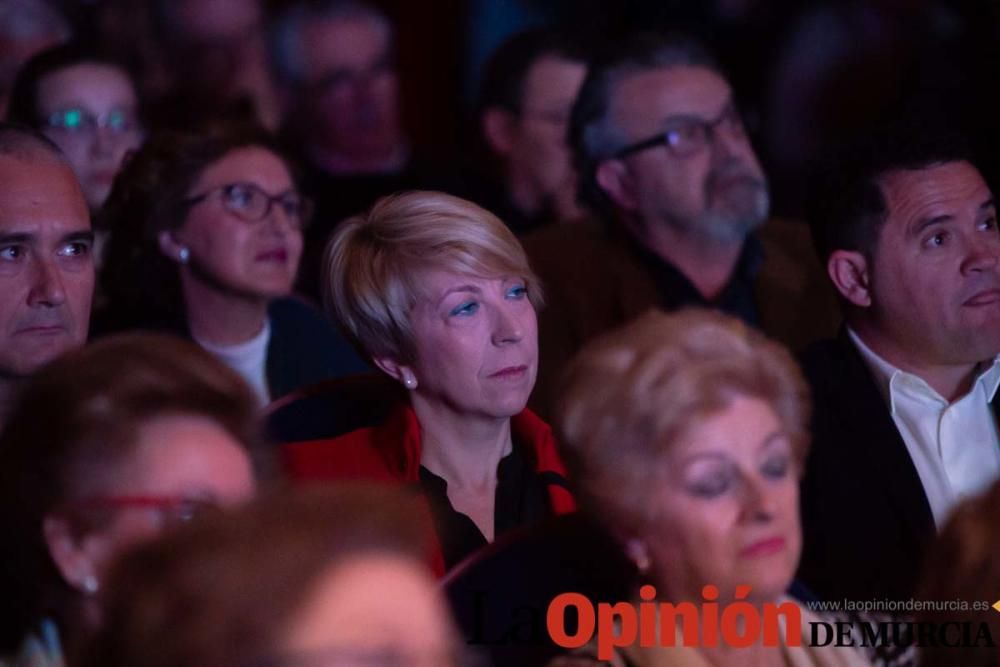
[439,294]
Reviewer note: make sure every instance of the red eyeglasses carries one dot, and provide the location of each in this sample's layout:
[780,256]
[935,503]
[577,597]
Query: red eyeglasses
[174,509]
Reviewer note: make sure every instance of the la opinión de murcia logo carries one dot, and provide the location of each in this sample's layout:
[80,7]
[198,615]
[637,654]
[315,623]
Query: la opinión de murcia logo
[737,624]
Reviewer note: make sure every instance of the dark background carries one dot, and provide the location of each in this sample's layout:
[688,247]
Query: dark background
[809,75]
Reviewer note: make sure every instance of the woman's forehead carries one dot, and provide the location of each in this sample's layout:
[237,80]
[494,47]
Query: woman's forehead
[252,164]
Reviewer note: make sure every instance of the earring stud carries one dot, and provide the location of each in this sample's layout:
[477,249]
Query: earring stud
[184,254]
[90,585]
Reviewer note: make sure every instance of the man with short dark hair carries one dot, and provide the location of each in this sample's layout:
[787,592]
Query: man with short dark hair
[663,154]
[527,91]
[905,422]
[46,267]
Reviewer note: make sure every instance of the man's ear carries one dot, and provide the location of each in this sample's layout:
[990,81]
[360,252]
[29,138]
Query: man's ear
[849,271]
[397,371]
[67,552]
[614,178]
[498,128]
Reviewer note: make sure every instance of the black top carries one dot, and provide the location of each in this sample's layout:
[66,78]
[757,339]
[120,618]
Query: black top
[736,298]
[521,498]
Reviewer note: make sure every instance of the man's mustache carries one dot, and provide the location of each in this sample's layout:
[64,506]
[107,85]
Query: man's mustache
[733,172]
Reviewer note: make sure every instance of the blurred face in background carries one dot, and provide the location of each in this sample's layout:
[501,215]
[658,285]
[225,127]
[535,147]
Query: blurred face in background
[180,465]
[216,21]
[90,111]
[223,53]
[532,142]
[353,91]
[376,609]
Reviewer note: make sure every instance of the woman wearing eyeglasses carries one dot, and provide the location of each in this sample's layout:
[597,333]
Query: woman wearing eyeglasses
[206,236]
[105,448]
[87,104]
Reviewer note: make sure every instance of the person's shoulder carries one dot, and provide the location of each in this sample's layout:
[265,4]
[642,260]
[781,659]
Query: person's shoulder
[585,234]
[583,253]
[787,230]
[820,351]
[386,451]
[825,359]
[788,243]
[534,431]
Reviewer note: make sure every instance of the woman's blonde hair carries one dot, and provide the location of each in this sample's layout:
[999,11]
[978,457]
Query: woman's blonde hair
[369,269]
[631,394]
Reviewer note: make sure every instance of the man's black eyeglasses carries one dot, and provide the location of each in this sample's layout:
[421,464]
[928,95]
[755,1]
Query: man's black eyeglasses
[689,136]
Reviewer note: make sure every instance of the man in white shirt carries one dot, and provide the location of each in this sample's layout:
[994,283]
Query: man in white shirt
[904,424]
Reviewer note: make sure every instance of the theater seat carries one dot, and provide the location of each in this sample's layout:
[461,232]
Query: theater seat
[501,593]
[332,408]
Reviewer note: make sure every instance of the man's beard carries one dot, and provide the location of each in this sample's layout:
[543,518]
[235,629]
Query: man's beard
[737,203]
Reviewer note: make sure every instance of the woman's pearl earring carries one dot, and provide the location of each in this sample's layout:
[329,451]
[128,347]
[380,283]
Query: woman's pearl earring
[89,584]
[184,255]
[639,555]
[410,382]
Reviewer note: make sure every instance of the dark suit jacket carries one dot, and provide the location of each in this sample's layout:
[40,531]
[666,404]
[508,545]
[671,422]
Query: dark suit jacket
[593,283]
[866,520]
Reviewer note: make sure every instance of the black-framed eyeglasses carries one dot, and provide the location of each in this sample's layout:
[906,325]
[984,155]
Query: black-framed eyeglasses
[250,203]
[688,136]
[77,120]
[344,79]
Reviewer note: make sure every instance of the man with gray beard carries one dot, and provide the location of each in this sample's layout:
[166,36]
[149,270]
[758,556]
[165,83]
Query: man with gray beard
[662,153]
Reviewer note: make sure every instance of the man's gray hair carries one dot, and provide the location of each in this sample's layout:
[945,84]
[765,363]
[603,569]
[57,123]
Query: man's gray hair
[285,38]
[592,136]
